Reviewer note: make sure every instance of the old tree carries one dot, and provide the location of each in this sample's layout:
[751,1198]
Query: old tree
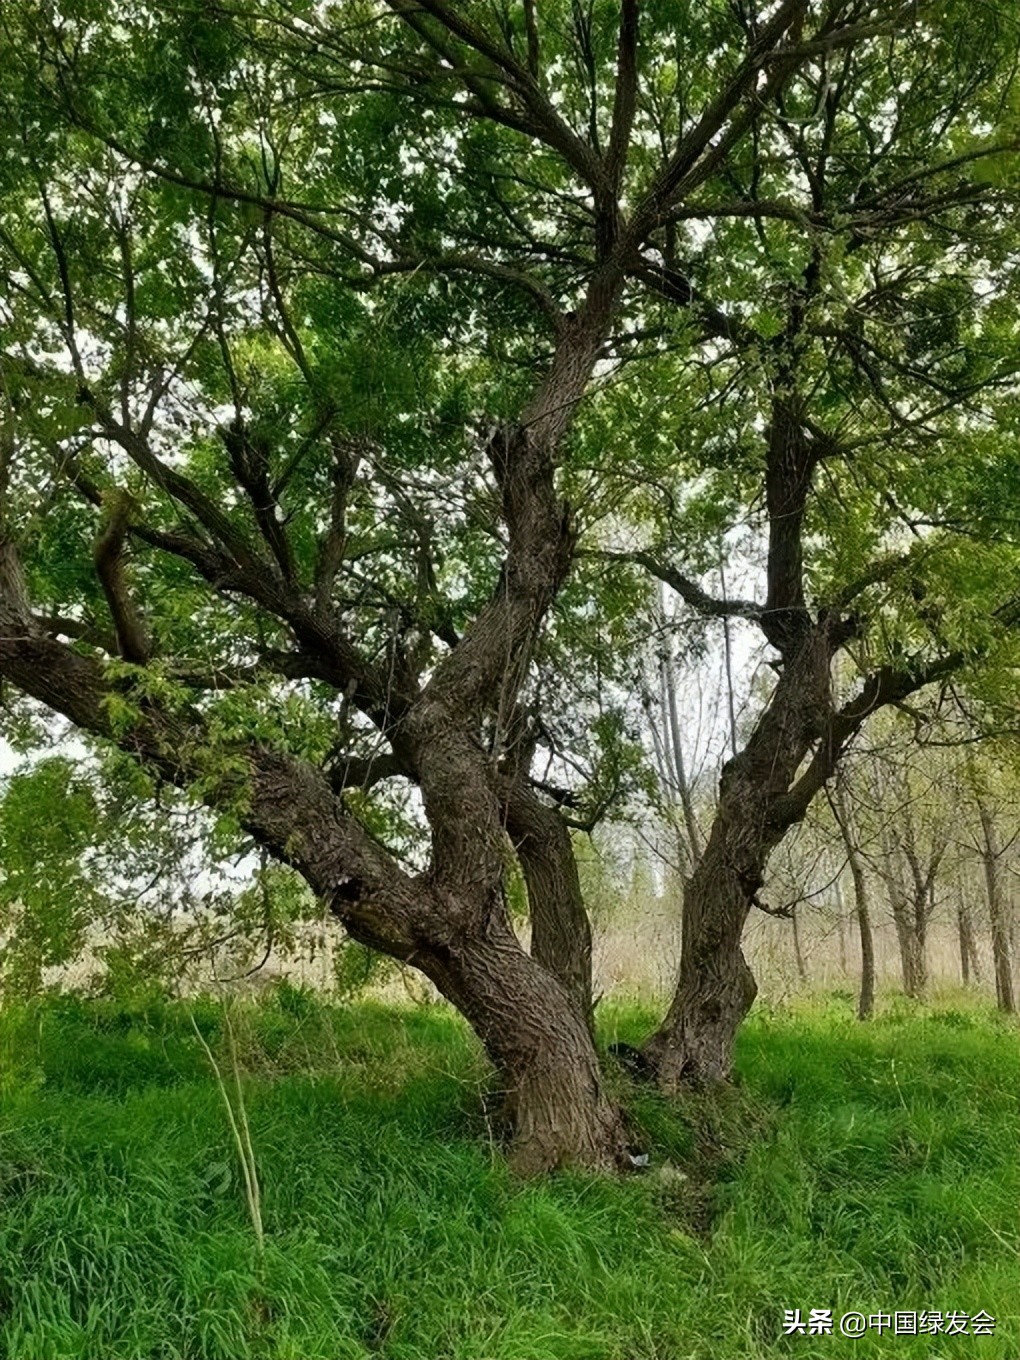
[337,337]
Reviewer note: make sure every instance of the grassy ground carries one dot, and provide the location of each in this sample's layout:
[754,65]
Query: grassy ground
[858,1168]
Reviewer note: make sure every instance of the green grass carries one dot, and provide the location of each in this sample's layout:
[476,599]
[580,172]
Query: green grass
[868,1168]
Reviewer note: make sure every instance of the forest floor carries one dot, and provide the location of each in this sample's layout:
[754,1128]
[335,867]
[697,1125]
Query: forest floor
[862,1169]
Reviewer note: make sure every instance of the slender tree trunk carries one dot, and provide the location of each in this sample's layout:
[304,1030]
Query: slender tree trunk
[672,756]
[922,896]
[866,997]
[908,948]
[1002,960]
[841,925]
[964,932]
[798,952]
[969,963]
[866,1000]
[904,920]
[694,837]
[922,908]
[731,706]
[921,962]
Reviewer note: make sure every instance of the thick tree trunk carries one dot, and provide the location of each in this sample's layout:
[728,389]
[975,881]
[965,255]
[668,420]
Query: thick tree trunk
[536,1037]
[560,929]
[716,987]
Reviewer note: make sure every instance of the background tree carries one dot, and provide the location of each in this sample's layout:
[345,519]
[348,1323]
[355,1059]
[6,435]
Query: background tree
[862,905]
[991,851]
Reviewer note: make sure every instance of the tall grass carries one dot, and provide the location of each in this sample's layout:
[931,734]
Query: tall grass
[868,1168]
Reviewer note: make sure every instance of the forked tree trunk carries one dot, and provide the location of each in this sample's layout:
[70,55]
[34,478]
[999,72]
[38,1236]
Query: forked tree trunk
[716,987]
[539,1042]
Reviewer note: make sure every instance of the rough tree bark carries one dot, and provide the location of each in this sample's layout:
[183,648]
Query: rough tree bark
[438,719]
[716,988]
[539,1040]
[450,922]
[443,719]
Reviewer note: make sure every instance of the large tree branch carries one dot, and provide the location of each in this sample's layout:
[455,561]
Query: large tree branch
[284,802]
[676,287]
[887,685]
[249,460]
[709,606]
[232,564]
[466,262]
[846,219]
[711,140]
[132,639]
[485,671]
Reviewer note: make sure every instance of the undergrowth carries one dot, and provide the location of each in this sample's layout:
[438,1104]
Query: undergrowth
[868,1168]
